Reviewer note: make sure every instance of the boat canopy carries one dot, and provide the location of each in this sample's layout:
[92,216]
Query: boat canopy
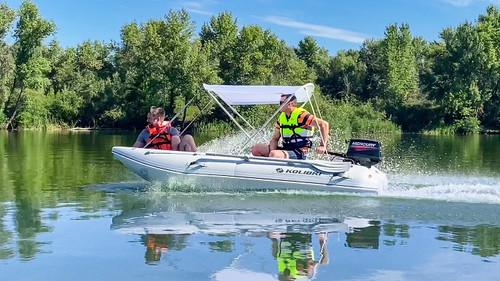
[252,95]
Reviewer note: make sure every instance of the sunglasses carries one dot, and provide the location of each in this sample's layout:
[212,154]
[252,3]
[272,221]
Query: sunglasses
[282,102]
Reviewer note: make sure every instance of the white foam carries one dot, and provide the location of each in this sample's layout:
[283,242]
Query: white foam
[457,188]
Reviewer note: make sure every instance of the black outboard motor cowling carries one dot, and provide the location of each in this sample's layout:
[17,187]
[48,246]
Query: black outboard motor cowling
[365,152]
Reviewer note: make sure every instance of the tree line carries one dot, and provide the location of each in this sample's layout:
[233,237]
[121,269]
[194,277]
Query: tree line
[399,81]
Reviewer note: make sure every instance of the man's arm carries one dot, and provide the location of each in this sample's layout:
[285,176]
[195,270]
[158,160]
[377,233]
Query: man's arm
[139,144]
[325,259]
[273,145]
[176,138]
[324,128]
[142,139]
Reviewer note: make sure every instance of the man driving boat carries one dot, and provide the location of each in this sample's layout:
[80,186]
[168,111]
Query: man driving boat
[296,126]
[159,134]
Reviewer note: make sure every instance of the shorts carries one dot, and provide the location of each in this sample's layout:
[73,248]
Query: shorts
[295,154]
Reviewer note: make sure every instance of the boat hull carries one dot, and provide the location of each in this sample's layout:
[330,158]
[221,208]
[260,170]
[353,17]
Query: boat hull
[227,172]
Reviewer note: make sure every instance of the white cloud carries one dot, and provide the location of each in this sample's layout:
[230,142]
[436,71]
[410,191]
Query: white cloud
[193,4]
[201,12]
[198,7]
[383,275]
[319,30]
[458,3]
[464,3]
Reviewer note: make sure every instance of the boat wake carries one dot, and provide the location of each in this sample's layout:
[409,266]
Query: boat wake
[123,187]
[439,188]
[453,188]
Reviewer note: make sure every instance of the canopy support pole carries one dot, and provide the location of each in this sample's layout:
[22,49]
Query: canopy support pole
[237,113]
[196,117]
[183,108]
[228,114]
[267,122]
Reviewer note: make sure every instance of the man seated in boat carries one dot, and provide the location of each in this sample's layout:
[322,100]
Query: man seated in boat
[296,126]
[159,134]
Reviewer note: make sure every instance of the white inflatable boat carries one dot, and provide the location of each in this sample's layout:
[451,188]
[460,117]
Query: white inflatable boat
[350,172]
[229,172]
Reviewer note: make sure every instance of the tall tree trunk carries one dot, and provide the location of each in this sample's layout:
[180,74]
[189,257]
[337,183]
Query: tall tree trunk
[18,104]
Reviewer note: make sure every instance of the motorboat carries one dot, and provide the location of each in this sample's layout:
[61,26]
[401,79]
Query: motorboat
[354,171]
[231,172]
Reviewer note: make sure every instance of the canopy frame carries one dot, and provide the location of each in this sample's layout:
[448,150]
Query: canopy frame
[249,95]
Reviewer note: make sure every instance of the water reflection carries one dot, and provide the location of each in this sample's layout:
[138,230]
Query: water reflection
[6,236]
[49,201]
[38,171]
[295,254]
[479,240]
[364,237]
[157,244]
[296,227]
[443,154]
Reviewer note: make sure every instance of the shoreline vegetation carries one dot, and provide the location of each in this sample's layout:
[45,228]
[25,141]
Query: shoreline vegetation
[229,130]
[396,84]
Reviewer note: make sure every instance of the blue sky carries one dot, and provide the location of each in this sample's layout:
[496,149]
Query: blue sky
[336,25]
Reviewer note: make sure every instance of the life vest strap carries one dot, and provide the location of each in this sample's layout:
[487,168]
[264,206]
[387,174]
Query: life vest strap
[159,138]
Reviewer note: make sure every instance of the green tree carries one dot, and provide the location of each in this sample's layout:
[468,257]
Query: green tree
[159,63]
[315,56]
[263,59]
[402,77]
[65,102]
[391,81]
[93,68]
[31,66]
[346,76]
[219,40]
[459,88]
[489,31]
[372,55]
[425,56]
[7,17]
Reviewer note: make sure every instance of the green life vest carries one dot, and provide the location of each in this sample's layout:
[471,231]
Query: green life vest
[294,137]
[288,259]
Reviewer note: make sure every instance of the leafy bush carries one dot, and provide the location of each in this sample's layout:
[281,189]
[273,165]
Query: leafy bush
[3,120]
[417,118]
[110,117]
[65,106]
[469,125]
[35,113]
[356,118]
[440,129]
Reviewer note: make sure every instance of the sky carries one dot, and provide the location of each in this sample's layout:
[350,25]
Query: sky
[334,24]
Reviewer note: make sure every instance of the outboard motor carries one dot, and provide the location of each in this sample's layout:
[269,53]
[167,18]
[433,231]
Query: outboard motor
[365,152]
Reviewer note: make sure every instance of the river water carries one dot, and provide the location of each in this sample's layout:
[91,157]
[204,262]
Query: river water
[69,211]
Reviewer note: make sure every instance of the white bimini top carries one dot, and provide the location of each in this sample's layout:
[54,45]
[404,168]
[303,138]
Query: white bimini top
[251,95]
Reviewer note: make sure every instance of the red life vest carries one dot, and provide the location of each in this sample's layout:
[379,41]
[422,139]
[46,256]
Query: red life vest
[159,137]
